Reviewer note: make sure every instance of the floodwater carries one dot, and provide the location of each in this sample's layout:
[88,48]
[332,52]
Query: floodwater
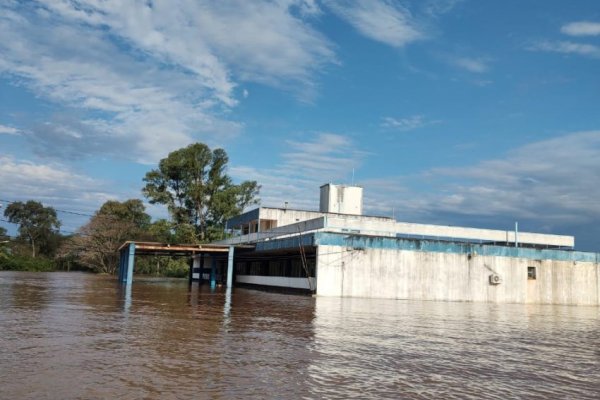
[82,336]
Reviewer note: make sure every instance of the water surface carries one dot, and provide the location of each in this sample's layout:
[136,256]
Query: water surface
[83,336]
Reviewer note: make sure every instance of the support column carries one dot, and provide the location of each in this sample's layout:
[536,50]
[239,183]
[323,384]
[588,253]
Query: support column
[120,271]
[191,274]
[213,271]
[130,263]
[230,267]
[201,269]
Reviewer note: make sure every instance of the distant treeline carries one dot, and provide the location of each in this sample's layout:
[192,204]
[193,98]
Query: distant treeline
[191,182]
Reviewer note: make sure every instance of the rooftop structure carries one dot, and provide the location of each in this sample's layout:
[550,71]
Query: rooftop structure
[341,211]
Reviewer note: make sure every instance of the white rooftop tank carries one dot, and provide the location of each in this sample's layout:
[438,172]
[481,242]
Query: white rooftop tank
[341,199]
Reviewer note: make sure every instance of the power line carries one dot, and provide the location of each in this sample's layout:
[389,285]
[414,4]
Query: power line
[80,213]
[59,230]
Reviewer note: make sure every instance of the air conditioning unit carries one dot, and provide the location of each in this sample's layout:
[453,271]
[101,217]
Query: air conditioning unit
[495,279]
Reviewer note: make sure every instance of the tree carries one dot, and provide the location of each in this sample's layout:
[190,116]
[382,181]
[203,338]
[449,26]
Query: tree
[96,245]
[132,210]
[35,221]
[193,185]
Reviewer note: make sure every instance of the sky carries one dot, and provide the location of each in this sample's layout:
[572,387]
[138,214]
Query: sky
[469,113]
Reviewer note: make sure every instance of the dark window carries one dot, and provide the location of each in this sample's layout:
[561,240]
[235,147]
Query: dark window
[531,273]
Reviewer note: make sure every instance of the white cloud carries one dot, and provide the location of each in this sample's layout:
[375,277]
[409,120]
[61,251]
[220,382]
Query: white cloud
[144,78]
[304,167]
[436,8]
[581,28]
[381,20]
[407,123]
[566,47]
[8,130]
[550,178]
[54,185]
[475,65]
[548,185]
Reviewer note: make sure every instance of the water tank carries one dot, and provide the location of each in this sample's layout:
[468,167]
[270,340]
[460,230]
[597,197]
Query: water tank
[341,199]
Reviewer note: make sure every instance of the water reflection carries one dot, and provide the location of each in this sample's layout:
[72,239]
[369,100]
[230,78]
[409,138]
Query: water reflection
[160,340]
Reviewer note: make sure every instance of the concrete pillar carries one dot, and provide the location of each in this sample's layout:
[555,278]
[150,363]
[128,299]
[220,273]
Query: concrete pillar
[230,267]
[213,271]
[130,263]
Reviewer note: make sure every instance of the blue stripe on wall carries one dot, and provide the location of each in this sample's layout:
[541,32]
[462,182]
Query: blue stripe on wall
[379,242]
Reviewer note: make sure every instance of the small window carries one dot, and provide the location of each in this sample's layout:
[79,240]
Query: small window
[531,273]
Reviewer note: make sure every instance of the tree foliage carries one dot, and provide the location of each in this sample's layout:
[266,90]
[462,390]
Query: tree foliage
[35,221]
[192,183]
[96,245]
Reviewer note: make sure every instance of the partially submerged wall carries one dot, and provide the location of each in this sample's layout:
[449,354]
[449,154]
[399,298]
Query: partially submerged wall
[426,274]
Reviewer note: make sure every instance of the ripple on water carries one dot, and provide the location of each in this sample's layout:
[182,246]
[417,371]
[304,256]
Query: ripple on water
[83,336]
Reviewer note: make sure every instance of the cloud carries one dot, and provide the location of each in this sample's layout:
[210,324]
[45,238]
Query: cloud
[581,28]
[8,130]
[437,8]
[547,179]
[54,185]
[303,168]
[380,20]
[475,65]
[567,47]
[547,185]
[151,77]
[408,123]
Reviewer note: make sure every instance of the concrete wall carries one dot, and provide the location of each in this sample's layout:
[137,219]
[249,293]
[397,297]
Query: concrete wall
[425,275]
[492,235]
[287,217]
[341,199]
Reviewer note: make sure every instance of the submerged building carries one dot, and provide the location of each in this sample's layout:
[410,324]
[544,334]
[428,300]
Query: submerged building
[337,251]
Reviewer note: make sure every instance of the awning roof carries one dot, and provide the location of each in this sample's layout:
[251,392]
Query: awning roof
[166,249]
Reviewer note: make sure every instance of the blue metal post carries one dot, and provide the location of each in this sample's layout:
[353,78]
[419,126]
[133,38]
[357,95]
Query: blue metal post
[130,263]
[213,272]
[230,267]
[124,256]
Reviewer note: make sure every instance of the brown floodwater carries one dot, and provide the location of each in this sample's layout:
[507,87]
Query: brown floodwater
[83,336]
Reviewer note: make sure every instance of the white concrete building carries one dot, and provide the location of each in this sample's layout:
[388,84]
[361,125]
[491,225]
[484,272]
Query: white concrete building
[333,253]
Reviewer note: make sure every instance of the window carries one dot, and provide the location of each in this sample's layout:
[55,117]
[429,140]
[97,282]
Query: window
[531,273]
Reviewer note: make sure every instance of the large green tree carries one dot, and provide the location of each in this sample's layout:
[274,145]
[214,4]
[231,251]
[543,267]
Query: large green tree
[35,221]
[96,245]
[192,183]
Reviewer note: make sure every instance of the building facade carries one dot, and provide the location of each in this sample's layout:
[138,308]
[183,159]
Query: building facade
[351,255]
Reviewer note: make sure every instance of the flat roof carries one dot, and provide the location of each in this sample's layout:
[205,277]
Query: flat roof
[167,249]
[253,214]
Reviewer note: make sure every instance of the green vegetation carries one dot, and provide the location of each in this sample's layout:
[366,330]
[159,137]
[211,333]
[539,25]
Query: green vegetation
[191,182]
[193,185]
[37,224]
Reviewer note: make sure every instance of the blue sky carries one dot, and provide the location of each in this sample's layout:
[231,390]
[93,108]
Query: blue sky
[477,113]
